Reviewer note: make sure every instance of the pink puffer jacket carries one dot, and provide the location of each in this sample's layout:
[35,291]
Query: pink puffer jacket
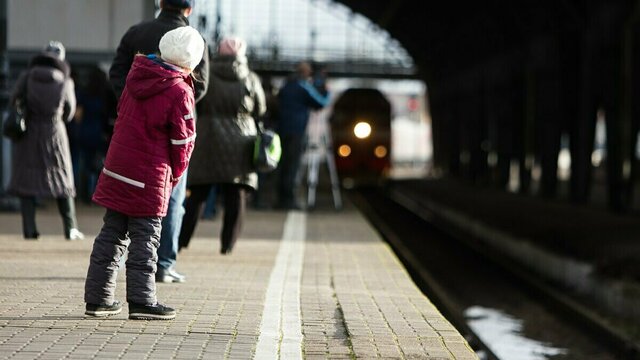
[152,141]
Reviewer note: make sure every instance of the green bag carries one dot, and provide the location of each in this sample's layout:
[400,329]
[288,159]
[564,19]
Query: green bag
[266,151]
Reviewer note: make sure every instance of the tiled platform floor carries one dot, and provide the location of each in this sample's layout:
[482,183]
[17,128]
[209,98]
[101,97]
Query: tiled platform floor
[313,286]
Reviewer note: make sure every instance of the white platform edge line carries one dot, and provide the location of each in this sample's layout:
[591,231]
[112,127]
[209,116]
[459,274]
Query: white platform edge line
[281,321]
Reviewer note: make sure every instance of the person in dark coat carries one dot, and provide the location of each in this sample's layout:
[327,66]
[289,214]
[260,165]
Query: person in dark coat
[149,153]
[41,166]
[296,98]
[143,38]
[224,148]
[95,103]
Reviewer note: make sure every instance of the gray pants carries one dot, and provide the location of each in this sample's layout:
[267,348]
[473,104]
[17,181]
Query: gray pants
[141,235]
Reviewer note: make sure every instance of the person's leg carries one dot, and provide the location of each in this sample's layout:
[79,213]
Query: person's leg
[28,210]
[289,163]
[284,169]
[108,249]
[67,209]
[193,206]
[257,198]
[141,268]
[144,233]
[171,223]
[91,169]
[209,211]
[234,209]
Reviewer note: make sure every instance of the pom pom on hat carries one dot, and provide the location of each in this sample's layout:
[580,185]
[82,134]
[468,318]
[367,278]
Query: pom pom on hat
[55,48]
[232,46]
[182,46]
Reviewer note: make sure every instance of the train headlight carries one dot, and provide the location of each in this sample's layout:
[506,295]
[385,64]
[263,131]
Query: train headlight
[362,130]
[380,151]
[344,150]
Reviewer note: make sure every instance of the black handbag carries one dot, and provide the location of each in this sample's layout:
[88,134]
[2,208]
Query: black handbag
[266,150]
[15,124]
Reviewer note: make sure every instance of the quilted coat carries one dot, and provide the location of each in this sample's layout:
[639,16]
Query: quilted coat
[152,141]
[226,125]
[41,160]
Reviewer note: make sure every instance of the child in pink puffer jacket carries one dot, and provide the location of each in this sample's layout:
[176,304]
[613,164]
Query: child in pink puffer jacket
[152,141]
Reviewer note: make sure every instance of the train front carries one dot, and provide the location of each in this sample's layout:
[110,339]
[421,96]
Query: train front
[361,129]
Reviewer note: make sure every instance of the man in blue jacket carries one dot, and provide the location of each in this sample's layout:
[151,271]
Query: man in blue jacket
[296,99]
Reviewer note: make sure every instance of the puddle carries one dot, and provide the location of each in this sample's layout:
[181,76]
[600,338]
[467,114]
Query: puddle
[502,334]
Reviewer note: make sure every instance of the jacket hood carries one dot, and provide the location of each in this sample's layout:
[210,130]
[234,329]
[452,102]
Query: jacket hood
[45,74]
[44,60]
[230,67]
[149,76]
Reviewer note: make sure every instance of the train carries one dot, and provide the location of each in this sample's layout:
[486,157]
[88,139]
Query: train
[361,135]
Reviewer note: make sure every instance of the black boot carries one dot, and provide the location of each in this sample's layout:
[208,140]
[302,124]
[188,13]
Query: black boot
[28,209]
[67,209]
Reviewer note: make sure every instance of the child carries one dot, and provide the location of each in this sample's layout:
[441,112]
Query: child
[152,141]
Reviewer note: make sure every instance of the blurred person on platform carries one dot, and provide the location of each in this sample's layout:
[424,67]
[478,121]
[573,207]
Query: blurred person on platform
[144,38]
[296,98]
[95,110]
[223,155]
[262,198]
[149,152]
[41,164]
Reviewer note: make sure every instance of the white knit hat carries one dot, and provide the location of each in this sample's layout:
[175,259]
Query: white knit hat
[182,46]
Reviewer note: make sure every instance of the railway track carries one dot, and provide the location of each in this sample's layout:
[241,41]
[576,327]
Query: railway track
[472,287]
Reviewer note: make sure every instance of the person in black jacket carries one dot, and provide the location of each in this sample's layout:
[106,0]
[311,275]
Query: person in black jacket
[144,38]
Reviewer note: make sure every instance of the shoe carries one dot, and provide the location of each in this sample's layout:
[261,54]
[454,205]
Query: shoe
[75,234]
[225,251]
[151,312]
[289,206]
[261,206]
[103,310]
[294,207]
[32,236]
[169,276]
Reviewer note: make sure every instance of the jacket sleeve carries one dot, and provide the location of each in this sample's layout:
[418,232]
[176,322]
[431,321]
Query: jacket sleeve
[182,134]
[259,98]
[315,99]
[201,75]
[69,104]
[19,89]
[121,64]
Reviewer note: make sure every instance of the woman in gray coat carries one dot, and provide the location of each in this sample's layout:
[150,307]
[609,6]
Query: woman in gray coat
[41,164]
[226,131]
